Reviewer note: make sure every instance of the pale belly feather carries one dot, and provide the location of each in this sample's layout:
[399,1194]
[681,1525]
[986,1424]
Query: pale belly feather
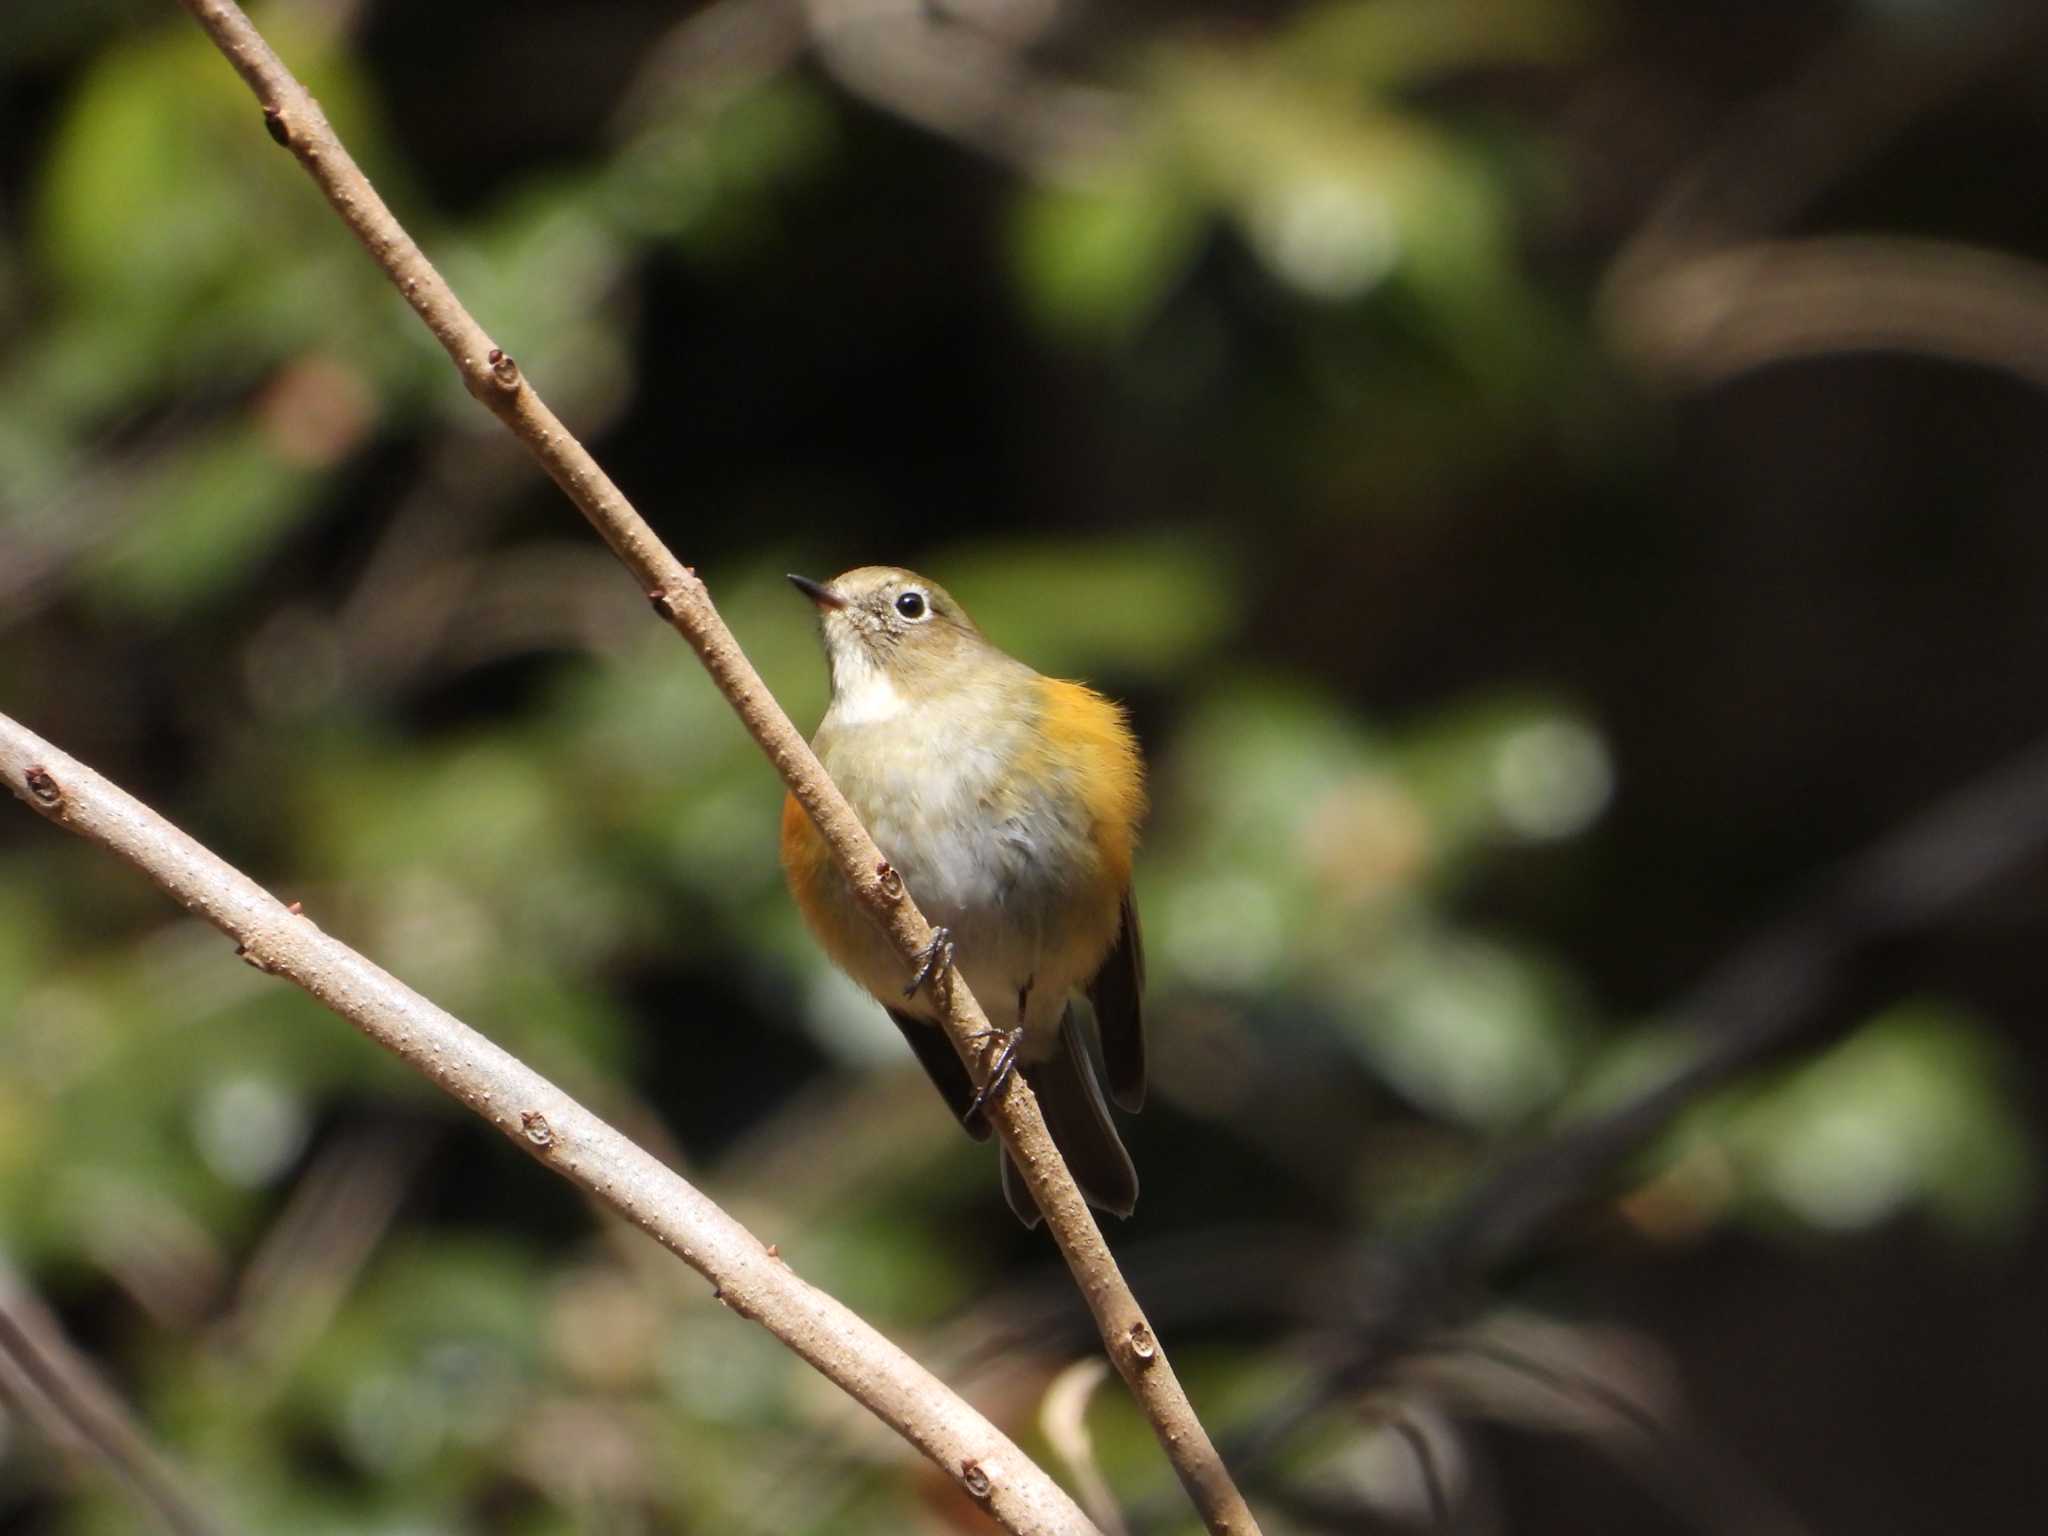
[1012,876]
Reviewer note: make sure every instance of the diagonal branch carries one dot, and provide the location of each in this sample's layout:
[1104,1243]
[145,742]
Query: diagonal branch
[295,121]
[749,1277]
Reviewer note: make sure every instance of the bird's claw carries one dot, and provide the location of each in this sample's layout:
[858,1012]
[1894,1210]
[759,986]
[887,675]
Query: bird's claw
[999,1074]
[932,962]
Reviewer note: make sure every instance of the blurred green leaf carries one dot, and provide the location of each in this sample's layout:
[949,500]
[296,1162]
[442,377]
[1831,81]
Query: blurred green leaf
[708,180]
[1469,1029]
[203,518]
[1505,769]
[1378,45]
[1095,262]
[169,224]
[1137,606]
[1914,1109]
[537,272]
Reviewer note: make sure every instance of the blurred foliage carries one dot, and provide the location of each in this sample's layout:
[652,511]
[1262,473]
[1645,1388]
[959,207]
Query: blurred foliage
[262,561]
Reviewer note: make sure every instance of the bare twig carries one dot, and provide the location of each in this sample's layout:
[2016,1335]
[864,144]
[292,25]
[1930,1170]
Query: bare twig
[718,50]
[1755,1000]
[1781,986]
[1559,1377]
[963,83]
[1858,95]
[960,72]
[539,1118]
[1063,1416]
[1416,1438]
[295,120]
[1711,315]
[309,1260]
[1701,292]
[57,1387]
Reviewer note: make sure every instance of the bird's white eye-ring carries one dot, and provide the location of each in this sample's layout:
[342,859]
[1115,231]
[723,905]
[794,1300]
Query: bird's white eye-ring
[912,604]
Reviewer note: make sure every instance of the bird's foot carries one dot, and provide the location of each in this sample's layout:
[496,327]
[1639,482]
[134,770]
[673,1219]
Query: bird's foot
[932,962]
[999,1074]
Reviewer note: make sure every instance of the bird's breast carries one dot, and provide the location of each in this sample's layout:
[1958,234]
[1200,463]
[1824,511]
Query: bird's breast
[1009,812]
[971,830]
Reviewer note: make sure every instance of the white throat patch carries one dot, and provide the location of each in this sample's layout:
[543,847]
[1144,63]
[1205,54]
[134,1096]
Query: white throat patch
[861,691]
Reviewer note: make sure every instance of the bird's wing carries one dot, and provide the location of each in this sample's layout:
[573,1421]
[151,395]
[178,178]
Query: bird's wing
[1080,1126]
[1117,992]
[943,1065]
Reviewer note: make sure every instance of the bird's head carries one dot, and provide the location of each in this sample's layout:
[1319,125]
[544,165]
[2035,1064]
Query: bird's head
[893,639]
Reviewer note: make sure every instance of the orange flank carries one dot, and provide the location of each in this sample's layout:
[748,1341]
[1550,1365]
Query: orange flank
[1086,734]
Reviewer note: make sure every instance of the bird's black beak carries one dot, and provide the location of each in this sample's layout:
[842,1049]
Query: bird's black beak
[817,592]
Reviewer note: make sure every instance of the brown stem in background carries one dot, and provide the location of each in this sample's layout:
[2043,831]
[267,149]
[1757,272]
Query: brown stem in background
[1787,985]
[1063,1418]
[1712,315]
[539,1118]
[964,72]
[53,1386]
[1706,289]
[295,121]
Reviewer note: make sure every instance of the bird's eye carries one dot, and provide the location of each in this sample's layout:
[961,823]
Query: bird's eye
[911,605]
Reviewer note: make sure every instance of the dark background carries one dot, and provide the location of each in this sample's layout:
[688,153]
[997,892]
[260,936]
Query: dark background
[1559,487]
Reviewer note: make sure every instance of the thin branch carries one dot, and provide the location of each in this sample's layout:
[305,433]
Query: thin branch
[309,1260]
[295,120]
[543,1121]
[716,51]
[1063,1417]
[54,1384]
[1705,290]
[1643,1432]
[1709,316]
[962,73]
[1775,156]
[1416,1438]
[1756,999]
[965,84]
[1784,985]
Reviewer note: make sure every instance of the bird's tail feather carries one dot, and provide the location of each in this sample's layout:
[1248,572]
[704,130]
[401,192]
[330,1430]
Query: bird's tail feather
[1069,1090]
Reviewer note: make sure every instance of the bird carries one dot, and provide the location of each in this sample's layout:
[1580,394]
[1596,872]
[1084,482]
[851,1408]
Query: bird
[1010,804]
